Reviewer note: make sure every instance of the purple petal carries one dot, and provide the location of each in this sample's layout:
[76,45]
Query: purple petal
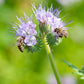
[54,10]
[30,40]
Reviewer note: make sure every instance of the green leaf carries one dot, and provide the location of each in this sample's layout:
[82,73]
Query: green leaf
[79,72]
[71,65]
[82,69]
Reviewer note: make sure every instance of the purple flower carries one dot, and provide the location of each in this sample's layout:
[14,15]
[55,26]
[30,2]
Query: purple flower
[41,14]
[20,32]
[27,30]
[30,40]
[51,18]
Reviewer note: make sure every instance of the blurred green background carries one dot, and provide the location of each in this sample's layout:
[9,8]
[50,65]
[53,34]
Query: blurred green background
[28,68]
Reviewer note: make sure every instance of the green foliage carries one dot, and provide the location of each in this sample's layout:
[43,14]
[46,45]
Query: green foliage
[70,65]
[82,68]
[16,67]
[77,70]
[51,39]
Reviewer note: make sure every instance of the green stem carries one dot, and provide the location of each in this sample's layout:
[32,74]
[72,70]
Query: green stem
[51,60]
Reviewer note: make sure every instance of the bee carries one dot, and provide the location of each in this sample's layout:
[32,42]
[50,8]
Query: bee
[20,43]
[61,32]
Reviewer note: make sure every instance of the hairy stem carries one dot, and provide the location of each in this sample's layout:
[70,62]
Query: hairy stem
[51,60]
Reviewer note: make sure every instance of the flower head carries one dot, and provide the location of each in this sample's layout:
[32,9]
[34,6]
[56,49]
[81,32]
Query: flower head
[50,26]
[51,18]
[41,14]
[27,30]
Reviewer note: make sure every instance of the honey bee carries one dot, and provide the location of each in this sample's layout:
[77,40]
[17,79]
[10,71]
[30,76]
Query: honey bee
[20,43]
[61,32]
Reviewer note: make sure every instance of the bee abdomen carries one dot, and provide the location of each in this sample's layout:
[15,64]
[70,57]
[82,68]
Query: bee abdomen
[20,48]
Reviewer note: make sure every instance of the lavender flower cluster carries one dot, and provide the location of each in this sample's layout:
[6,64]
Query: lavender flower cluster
[27,30]
[50,17]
